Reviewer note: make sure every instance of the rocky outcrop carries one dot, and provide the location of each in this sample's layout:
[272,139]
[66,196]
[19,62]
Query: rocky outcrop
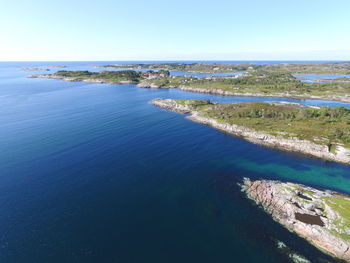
[339,154]
[148,85]
[317,216]
[172,105]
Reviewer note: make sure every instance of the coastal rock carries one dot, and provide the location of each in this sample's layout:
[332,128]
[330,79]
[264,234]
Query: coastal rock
[340,153]
[171,105]
[147,85]
[318,216]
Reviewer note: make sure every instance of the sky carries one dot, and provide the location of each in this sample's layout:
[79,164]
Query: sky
[75,30]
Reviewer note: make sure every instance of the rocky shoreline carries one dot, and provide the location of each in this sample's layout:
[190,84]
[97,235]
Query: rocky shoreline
[341,154]
[318,216]
[277,95]
[150,85]
[345,99]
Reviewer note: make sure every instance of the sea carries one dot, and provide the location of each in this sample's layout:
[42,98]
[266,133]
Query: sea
[94,173]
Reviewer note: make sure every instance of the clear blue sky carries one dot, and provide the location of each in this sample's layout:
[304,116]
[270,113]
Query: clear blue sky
[174,30]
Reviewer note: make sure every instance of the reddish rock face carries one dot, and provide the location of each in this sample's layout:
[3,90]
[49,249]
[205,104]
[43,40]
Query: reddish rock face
[306,211]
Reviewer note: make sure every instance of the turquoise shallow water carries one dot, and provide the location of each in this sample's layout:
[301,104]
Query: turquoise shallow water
[93,173]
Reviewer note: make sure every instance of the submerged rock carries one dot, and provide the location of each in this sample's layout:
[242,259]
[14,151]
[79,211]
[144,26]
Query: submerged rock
[292,255]
[321,217]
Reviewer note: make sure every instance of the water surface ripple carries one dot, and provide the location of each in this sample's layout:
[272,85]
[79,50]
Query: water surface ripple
[93,173]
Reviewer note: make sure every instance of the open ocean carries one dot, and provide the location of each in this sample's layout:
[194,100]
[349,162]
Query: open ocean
[93,173]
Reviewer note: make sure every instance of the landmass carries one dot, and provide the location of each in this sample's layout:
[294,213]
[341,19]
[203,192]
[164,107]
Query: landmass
[41,68]
[322,217]
[35,69]
[339,79]
[118,77]
[121,77]
[187,67]
[293,68]
[322,132]
[257,83]
[276,80]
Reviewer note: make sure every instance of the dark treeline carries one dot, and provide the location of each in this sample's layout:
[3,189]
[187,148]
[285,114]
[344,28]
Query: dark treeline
[265,110]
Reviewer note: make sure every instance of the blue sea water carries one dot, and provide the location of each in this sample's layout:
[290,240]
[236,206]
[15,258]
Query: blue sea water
[312,78]
[93,173]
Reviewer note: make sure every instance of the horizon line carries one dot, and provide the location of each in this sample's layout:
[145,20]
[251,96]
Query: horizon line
[180,60]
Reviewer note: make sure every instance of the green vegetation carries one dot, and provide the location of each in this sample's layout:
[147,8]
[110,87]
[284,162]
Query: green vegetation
[320,125]
[261,80]
[292,68]
[343,79]
[270,83]
[342,206]
[115,76]
[190,67]
[194,103]
[165,73]
[337,202]
[108,76]
[309,68]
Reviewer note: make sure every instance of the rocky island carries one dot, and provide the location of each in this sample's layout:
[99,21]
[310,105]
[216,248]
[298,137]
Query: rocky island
[35,69]
[321,217]
[322,132]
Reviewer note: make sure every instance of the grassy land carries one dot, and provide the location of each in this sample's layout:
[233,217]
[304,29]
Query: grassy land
[110,76]
[293,68]
[190,67]
[256,82]
[323,126]
[270,83]
[342,207]
[309,68]
[262,83]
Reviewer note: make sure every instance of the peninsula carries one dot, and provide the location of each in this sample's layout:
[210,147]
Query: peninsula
[186,67]
[322,132]
[122,77]
[293,68]
[117,77]
[321,217]
[259,84]
[275,80]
